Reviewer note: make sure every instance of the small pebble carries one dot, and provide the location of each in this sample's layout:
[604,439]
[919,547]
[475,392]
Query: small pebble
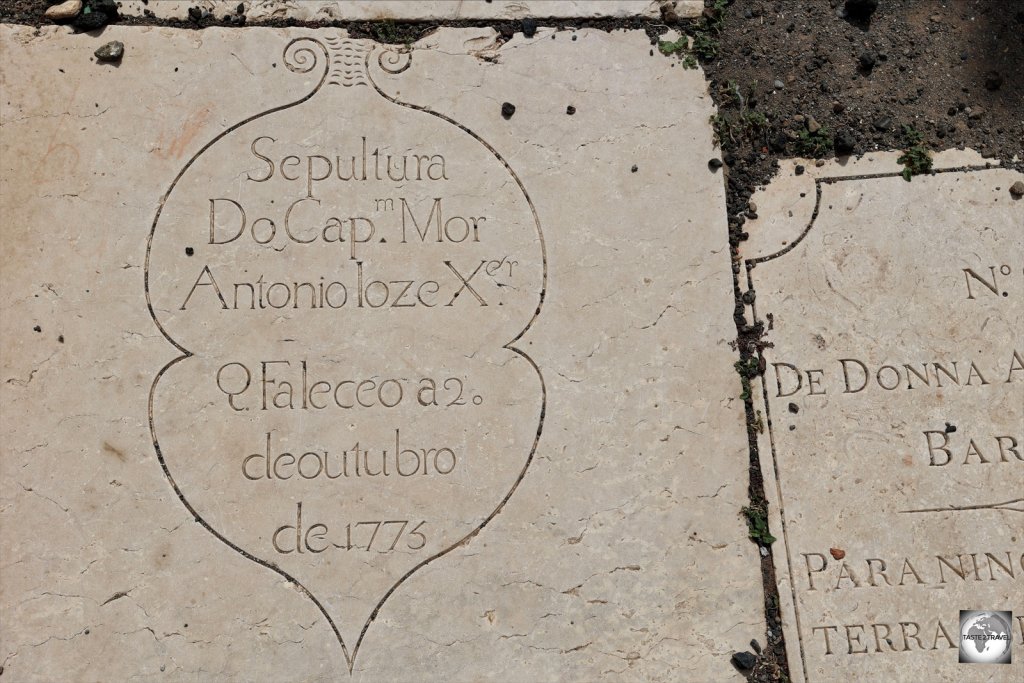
[779,85]
[508,109]
[799,169]
[714,164]
[634,169]
[111,52]
[529,27]
[744,660]
[752,206]
[570,110]
[812,125]
[1017,189]
[844,143]
[64,11]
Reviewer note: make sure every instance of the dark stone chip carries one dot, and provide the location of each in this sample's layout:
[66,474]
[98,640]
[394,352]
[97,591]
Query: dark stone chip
[110,52]
[90,21]
[844,143]
[744,660]
[861,10]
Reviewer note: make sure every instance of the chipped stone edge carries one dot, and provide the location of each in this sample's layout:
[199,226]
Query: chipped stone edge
[257,12]
[773,233]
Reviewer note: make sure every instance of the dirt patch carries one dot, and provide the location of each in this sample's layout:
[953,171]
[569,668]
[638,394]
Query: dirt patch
[949,71]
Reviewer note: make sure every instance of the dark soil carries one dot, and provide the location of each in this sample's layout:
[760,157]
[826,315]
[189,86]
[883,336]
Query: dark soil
[951,69]
[938,73]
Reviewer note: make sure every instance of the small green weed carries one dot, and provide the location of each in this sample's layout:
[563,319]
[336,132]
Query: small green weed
[916,159]
[701,45]
[757,524]
[813,145]
[681,48]
[722,126]
[745,394]
[673,47]
[749,368]
[754,121]
[704,46]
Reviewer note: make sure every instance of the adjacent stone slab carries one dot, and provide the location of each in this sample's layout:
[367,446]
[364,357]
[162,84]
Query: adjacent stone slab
[412,10]
[321,356]
[893,411]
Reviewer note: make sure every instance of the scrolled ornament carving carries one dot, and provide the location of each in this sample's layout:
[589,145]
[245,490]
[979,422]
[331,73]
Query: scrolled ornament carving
[394,61]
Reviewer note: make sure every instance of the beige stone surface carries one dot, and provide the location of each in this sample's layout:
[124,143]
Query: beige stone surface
[893,400]
[578,469]
[423,10]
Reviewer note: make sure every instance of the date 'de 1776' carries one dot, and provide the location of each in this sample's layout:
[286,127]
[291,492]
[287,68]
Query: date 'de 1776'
[379,535]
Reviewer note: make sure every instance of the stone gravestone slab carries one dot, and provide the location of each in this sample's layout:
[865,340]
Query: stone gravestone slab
[324,358]
[893,406]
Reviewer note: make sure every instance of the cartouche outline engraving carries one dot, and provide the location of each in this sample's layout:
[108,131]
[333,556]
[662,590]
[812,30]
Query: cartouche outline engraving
[346,63]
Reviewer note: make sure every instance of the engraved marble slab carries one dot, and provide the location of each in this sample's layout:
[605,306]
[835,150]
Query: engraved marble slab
[413,10]
[320,363]
[893,405]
